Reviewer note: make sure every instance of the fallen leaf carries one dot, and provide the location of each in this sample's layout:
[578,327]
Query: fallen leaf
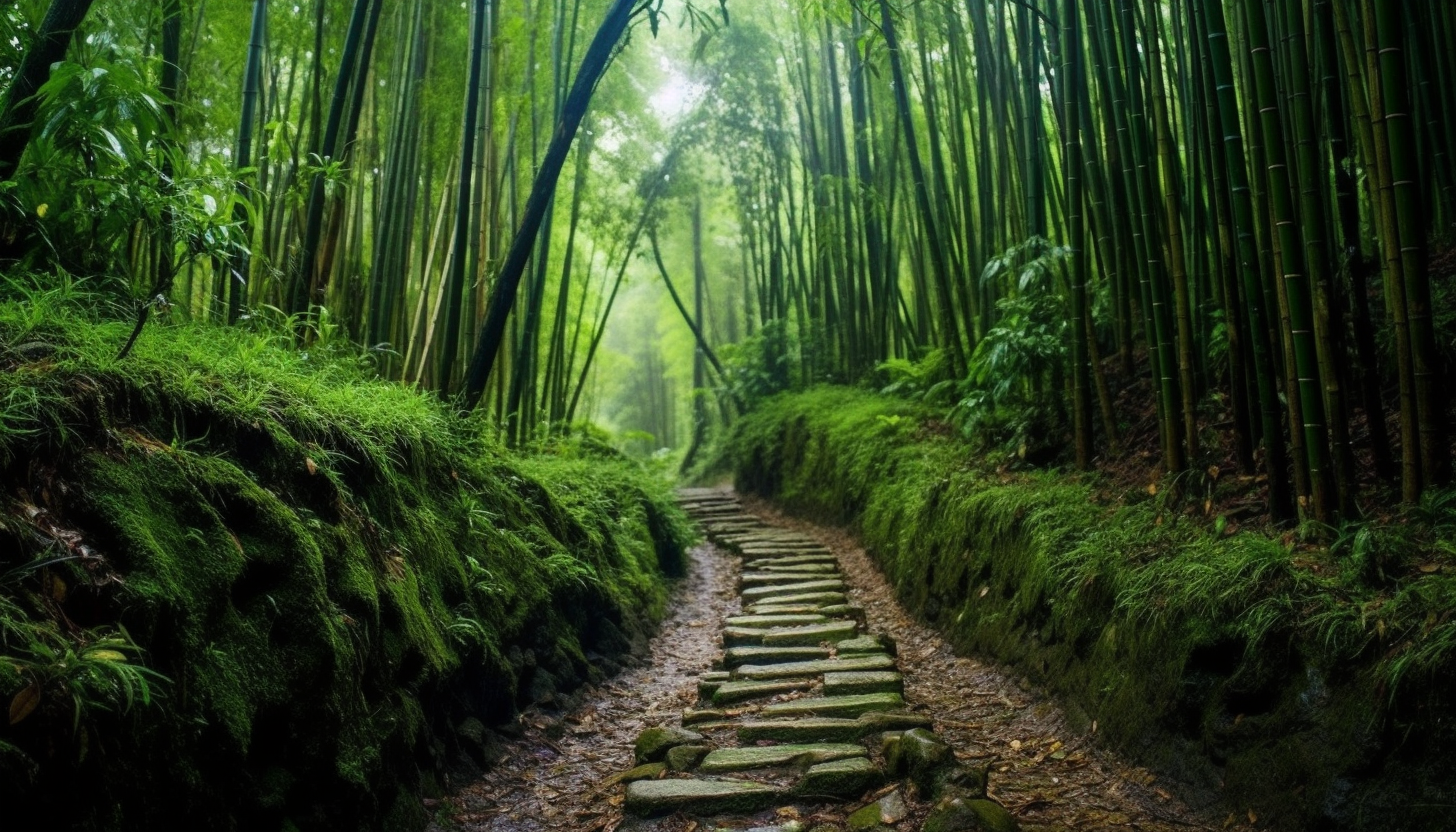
[24,702]
[310,465]
[1253,818]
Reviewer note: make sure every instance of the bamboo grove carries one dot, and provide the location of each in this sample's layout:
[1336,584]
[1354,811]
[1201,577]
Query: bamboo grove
[1242,196]
[1237,212]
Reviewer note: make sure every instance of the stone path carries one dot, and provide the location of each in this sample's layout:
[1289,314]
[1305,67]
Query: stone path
[805,708]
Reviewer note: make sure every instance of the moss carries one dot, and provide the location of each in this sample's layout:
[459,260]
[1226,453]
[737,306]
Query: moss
[1211,658]
[331,572]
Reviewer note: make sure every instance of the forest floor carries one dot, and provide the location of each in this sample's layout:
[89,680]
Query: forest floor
[559,772]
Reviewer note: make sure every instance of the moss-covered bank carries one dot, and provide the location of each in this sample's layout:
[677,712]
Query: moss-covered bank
[342,582]
[1302,690]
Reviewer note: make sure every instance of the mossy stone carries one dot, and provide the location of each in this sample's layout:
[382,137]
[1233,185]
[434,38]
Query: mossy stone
[764,622]
[840,779]
[651,798]
[646,771]
[867,681]
[749,669]
[730,692]
[840,706]
[920,755]
[686,757]
[866,644]
[866,819]
[776,756]
[958,814]
[736,657]
[796,589]
[827,729]
[654,743]
[809,634]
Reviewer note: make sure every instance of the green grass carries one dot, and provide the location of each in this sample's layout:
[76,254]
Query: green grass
[321,576]
[1239,656]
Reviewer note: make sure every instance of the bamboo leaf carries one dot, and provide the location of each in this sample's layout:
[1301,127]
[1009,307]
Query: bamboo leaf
[24,703]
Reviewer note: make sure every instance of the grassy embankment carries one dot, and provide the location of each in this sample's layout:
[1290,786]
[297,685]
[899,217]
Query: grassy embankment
[1313,685]
[242,587]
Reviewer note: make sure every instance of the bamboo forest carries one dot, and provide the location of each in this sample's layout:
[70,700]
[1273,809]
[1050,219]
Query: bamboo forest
[709,415]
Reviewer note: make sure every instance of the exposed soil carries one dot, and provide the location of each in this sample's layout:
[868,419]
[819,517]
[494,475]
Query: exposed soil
[1049,776]
[550,777]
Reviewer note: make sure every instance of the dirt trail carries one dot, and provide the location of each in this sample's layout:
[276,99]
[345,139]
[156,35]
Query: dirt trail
[563,772]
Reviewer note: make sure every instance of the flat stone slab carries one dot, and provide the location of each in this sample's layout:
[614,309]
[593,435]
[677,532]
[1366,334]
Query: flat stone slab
[792,589]
[761,579]
[791,562]
[865,681]
[844,611]
[777,756]
[788,568]
[843,779]
[650,798]
[785,609]
[730,692]
[810,634]
[693,716]
[820,598]
[821,729]
[841,706]
[862,644]
[769,621]
[787,668]
[735,657]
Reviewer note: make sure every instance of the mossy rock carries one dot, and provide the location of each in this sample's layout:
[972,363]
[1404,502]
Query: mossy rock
[958,814]
[686,757]
[652,798]
[653,744]
[841,779]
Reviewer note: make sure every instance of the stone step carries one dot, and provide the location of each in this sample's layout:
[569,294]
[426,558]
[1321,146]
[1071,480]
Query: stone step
[810,634]
[784,609]
[840,779]
[864,644]
[808,667]
[846,707]
[793,560]
[821,598]
[843,611]
[725,760]
[767,621]
[866,681]
[794,589]
[798,568]
[774,551]
[731,692]
[763,579]
[822,729]
[652,798]
[736,657]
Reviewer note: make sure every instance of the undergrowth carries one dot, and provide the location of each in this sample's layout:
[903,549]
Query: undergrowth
[1281,665]
[245,586]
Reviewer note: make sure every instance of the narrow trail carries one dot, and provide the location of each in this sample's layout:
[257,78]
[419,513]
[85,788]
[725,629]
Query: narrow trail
[773,699]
